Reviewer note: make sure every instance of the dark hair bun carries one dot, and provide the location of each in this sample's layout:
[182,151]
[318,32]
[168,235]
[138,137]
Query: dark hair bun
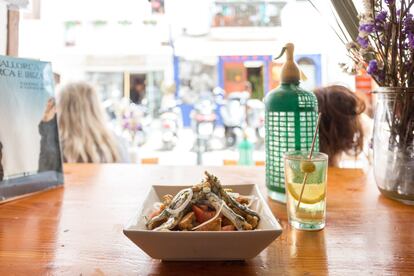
[340,129]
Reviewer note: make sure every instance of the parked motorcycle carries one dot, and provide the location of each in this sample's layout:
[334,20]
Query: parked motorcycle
[255,120]
[203,120]
[170,116]
[233,113]
[136,121]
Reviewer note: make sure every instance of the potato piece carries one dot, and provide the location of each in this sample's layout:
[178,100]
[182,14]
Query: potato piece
[187,223]
[247,226]
[155,224]
[215,225]
[252,221]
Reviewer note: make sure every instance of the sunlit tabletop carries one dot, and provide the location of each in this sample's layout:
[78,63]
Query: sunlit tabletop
[77,230]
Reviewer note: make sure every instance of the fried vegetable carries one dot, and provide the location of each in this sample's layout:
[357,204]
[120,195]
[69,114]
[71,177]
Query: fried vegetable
[237,220]
[173,214]
[206,206]
[169,224]
[166,200]
[216,188]
[215,225]
[156,221]
[242,200]
[188,222]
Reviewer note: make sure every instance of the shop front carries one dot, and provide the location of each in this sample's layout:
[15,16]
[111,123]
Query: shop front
[256,74]
[243,73]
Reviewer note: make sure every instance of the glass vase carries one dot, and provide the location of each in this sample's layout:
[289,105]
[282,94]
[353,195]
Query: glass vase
[393,143]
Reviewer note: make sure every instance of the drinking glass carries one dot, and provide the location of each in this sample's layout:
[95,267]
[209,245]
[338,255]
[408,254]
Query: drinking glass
[305,180]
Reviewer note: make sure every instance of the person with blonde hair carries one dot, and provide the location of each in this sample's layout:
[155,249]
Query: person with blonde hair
[85,137]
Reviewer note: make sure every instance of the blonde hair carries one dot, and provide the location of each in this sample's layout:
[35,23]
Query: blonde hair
[84,135]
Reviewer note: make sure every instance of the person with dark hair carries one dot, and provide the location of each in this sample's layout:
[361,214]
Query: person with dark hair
[49,158]
[137,92]
[1,164]
[341,130]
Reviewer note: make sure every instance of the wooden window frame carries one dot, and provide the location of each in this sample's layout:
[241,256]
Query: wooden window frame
[13,17]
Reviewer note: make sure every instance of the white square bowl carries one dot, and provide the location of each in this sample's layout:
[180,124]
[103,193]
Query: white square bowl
[203,245]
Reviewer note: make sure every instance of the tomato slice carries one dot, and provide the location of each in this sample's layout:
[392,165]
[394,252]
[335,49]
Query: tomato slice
[203,206]
[201,215]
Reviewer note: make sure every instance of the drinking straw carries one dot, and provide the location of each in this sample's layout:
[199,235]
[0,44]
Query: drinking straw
[310,159]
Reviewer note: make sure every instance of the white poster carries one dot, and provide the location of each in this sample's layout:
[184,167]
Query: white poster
[29,140]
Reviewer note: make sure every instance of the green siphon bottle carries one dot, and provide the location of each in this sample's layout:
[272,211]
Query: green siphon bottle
[290,121]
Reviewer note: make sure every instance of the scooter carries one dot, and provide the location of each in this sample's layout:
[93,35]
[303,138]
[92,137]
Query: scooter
[233,113]
[144,120]
[203,120]
[170,124]
[255,120]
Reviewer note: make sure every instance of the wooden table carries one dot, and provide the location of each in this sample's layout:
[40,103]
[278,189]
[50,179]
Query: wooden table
[77,230]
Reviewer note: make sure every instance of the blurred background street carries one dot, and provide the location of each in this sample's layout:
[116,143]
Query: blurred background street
[183,153]
[183,81]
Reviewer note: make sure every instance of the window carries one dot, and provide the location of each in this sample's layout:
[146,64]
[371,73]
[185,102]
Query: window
[247,13]
[308,67]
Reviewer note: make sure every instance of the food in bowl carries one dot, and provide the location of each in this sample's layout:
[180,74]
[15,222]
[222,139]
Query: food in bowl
[202,245]
[206,206]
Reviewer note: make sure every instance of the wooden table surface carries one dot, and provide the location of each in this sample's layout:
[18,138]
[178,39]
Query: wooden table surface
[77,230]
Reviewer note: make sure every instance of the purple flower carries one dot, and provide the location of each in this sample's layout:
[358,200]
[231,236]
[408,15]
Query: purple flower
[381,16]
[372,68]
[368,28]
[410,40]
[381,75]
[408,31]
[363,42]
[380,21]
[374,71]
[408,22]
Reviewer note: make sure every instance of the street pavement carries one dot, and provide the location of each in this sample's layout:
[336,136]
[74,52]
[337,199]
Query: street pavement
[182,154]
